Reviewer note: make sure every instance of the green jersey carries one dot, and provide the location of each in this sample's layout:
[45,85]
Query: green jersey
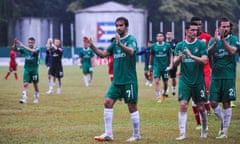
[31,59]
[223,64]
[86,56]
[161,55]
[191,71]
[124,65]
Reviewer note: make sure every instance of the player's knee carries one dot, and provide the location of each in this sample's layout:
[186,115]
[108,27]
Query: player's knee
[214,104]
[108,103]
[183,106]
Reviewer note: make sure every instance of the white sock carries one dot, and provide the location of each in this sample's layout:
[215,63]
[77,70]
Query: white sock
[24,93]
[182,121]
[108,116]
[135,117]
[158,95]
[219,114]
[227,114]
[36,95]
[204,119]
[85,77]
[173,89]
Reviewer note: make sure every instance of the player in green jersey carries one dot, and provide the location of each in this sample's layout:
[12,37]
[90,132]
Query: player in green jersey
[30,68]
[191,54]
[86,55]
[161,58]
[223,47]
[125,83]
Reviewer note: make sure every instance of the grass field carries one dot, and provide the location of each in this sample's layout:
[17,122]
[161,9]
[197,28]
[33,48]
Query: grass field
[76,115]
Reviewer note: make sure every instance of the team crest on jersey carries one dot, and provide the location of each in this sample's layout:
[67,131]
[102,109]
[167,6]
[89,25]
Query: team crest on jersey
[134,44]
[196,50]
[125,44]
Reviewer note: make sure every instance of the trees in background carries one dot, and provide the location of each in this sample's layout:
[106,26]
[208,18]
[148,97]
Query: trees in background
[158,10]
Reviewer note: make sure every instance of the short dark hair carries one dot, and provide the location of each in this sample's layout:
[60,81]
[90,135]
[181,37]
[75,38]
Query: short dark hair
[160,33]
[223,19]
[122,19]
[31,38]
[188,24]
[195,18]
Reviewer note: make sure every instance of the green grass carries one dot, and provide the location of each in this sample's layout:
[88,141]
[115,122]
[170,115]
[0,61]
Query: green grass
[76,115]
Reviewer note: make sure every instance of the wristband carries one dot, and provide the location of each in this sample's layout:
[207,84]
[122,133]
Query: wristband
[149,66]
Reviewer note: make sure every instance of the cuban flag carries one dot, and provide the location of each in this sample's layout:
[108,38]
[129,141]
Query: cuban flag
[105,32]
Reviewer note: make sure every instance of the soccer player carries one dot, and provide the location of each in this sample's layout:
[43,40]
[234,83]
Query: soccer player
[31,54]
[125,84]
[203,36]
[48,61]
[162,59]
[147,52]
[56,69]
[173,71]
[12,63]
[223,47]
[86,60]
[191,54]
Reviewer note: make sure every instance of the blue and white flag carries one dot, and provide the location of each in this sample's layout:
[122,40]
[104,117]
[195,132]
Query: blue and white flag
[105,32]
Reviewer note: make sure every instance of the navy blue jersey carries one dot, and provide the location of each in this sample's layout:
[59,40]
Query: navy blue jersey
[146,52]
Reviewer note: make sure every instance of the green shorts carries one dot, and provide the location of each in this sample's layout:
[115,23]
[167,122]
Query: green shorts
[197,93]
[158,74]
[87,69]
[128,92]
[222,90]
[30,75]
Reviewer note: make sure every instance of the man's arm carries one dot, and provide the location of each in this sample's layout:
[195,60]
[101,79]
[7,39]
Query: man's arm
[96,50]
[203,59]
[178,59]
[126,49]
[231,49]
[27,48]
[212,47]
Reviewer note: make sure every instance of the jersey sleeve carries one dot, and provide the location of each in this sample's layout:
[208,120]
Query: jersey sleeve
[178,47]
[210,42]
[203,50]
[133,44]
[110,48]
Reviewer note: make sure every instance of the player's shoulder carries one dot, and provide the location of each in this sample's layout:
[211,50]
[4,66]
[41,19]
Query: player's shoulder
[180,43]
[205,34]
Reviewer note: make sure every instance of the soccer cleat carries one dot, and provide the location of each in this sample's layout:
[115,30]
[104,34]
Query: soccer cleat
[147,83]
[199,127]
[35,101]
[23,100]
[203,134]
[49,92]
[162,99]
[103,137]
[222,136]
[181,137]
[6,78]
[233,105]
[58,90]
[36,96]
[133,138]
[150,85]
